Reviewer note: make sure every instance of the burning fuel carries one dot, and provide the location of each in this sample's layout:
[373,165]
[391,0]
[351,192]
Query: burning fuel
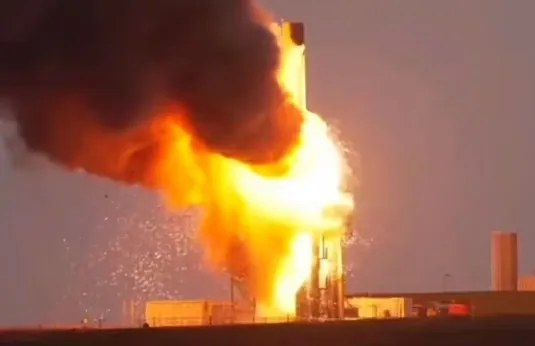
[195,98]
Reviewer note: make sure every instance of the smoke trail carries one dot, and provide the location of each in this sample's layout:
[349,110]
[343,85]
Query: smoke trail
[89,79]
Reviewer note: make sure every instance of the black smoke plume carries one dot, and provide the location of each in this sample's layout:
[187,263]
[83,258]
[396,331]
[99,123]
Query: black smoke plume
[86,80]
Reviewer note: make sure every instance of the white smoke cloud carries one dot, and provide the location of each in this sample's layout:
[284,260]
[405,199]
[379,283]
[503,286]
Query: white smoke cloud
[13,150]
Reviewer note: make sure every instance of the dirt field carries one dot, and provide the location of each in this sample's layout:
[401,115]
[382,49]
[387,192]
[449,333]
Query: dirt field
[507,331]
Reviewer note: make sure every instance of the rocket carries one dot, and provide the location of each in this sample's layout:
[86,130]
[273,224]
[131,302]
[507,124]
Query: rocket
[322,296]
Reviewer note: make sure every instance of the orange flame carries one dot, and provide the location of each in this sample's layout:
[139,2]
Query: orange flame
[262,224]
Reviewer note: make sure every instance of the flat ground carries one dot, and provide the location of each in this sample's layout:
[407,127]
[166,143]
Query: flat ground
[506,331]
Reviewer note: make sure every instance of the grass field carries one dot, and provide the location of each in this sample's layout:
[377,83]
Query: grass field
[507,331]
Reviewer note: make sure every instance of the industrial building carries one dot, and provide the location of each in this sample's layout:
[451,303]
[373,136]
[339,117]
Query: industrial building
[360,307]
[479,303]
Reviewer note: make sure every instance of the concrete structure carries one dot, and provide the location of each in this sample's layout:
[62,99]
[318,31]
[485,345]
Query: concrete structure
[504,261]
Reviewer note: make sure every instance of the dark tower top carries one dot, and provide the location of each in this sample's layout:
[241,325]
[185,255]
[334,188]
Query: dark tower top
[297,32]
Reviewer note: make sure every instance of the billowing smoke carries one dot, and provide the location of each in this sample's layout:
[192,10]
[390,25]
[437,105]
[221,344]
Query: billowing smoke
[183,96]
[88,81]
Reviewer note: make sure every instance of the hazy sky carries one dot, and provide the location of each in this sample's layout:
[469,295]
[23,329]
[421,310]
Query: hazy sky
[434,96]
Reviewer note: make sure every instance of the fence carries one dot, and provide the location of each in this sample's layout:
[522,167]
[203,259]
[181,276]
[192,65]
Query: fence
[175,321]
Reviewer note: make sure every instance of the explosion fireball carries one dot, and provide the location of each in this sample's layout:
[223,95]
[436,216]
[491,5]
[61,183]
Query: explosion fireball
[194,98]
[260,220]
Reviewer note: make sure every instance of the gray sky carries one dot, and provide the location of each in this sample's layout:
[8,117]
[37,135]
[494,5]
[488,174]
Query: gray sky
[433,95]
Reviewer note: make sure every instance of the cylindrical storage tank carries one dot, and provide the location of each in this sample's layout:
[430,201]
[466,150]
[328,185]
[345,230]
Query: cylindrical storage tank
[504,261]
